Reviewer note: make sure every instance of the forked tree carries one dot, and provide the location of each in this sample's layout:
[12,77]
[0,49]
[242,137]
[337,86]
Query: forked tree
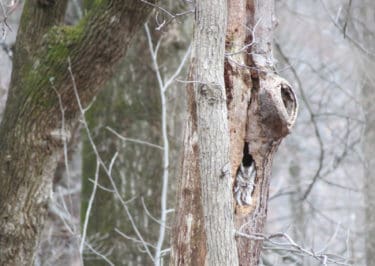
[239,110]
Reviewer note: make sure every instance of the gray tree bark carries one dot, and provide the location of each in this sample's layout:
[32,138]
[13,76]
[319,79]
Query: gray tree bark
[271,113]
[206,151]
[262,108]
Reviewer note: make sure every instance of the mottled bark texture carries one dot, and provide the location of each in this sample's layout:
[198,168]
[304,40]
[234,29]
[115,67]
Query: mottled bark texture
[262,108]
[237,78]
[272,111]
[31,138]
[204,229]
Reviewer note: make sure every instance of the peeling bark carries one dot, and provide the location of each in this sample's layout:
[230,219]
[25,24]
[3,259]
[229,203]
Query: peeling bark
[262,108]
[237,79]
[188,236]
[271,114]
[204,229]
[31,140]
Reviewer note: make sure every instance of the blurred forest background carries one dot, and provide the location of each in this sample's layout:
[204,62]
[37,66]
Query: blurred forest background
[322,190]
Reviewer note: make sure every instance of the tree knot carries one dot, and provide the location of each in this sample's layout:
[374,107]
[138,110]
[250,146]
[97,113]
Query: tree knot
[213,92]
[273,110]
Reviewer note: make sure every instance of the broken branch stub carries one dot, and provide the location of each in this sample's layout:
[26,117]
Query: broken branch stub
[272,113]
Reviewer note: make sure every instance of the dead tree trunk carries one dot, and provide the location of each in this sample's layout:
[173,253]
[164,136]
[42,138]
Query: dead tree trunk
[262,108]
[31,137]
[271,113]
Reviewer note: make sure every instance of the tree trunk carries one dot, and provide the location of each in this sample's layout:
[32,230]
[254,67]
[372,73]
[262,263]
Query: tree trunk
[131,107]
[271,114]
[31,138]
[367,74]
[262,108]
[369,173]
[204,229]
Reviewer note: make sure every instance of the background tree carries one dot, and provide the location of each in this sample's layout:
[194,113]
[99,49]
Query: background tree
[131,106]
[325,141]
[361,23]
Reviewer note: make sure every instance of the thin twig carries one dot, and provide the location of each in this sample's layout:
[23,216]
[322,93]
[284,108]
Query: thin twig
[89,206]
[105,168]
[351,39]
[291,246]
[134,140]
[163,87]
[312,119]
[164,193]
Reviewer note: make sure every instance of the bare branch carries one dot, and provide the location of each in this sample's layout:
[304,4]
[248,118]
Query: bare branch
[313,121]
[289,245]
[356,43]
[106,170]
[89,206]
[134,140]
[169,14]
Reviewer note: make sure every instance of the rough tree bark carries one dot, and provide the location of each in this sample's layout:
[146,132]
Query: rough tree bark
[271,113]
[204,229]
[262,108]
[31,138]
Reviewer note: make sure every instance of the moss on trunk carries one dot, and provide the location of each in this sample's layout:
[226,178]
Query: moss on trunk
[29,145]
